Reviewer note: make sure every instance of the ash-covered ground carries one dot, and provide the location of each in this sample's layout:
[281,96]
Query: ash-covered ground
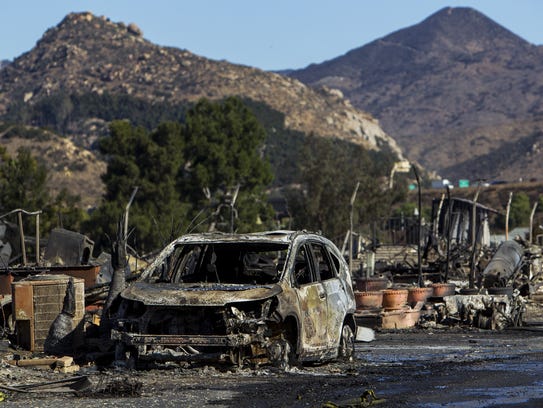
[439,367]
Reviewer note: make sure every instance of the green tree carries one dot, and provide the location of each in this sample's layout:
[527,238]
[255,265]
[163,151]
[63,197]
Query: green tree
[22,182]
[223,151]
[23,185]
[330,170]
[519,213]
[186,174]
[65,212]
[151,163]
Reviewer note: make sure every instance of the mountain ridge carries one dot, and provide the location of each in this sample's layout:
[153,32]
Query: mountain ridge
[447,89]
[90,58]
[64,59]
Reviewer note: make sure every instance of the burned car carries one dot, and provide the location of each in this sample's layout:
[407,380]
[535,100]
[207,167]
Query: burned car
[274,297]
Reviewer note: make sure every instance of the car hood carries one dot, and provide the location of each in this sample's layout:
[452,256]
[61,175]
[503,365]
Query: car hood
[197,294]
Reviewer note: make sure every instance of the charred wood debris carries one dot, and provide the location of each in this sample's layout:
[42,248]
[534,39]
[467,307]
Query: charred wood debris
[489,287]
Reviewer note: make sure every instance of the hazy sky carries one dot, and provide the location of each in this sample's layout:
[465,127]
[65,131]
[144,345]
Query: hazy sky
[268,34]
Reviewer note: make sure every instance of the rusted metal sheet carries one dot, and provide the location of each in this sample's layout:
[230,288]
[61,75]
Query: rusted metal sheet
[89,273]
[23,305]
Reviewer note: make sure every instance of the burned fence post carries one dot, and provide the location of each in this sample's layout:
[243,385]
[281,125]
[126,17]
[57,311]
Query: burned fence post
[532,222]
[353,198]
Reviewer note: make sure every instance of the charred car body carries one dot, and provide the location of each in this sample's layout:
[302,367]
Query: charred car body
[279,297]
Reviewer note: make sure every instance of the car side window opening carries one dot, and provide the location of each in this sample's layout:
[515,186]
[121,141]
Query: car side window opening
[335,263]
[322,261]
[302,267]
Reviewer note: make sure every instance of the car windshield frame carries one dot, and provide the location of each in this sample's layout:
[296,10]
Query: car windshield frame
[224,262]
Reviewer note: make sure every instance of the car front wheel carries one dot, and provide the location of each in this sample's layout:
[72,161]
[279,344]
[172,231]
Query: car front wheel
[346,343]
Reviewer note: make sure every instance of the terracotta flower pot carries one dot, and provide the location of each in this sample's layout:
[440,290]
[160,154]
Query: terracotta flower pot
[394,299]
[419,294]
[368,300]
[371,284]
[443,289]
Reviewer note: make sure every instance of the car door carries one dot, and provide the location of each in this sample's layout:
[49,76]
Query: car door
[336,296]
[312,304]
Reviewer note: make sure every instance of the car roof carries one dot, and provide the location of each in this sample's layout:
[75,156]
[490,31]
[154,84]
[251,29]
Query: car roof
[277,236]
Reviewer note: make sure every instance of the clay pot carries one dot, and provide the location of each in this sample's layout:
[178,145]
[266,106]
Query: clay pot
[371,284]
[443,289]
[394,299]
[415,295]
[368,300]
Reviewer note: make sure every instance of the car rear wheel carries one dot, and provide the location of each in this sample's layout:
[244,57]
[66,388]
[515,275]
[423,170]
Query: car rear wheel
[346,343]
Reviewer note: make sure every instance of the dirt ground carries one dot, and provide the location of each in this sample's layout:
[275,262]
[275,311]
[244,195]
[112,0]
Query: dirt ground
[438,367]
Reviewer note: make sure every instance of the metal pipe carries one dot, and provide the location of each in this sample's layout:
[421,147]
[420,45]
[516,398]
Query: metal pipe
[420,281]
[22,236]
[473,237]
[507,216]
[449,222]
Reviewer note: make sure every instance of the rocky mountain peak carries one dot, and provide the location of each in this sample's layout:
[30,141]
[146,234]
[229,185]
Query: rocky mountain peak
[460,93]
[459,29]
[75,24]
[89,54]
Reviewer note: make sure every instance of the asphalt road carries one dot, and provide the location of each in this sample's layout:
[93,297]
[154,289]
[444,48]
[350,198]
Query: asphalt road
[450,367]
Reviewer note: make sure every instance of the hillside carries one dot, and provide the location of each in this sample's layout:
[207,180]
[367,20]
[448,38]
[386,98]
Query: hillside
[461,94]
[88,70]
[69,166]
[88,54]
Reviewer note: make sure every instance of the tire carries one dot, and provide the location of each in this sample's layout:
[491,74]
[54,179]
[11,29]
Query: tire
[126,356]
[346,343]
[282,351]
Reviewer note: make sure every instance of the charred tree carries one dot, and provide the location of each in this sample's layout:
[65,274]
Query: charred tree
[59,339]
